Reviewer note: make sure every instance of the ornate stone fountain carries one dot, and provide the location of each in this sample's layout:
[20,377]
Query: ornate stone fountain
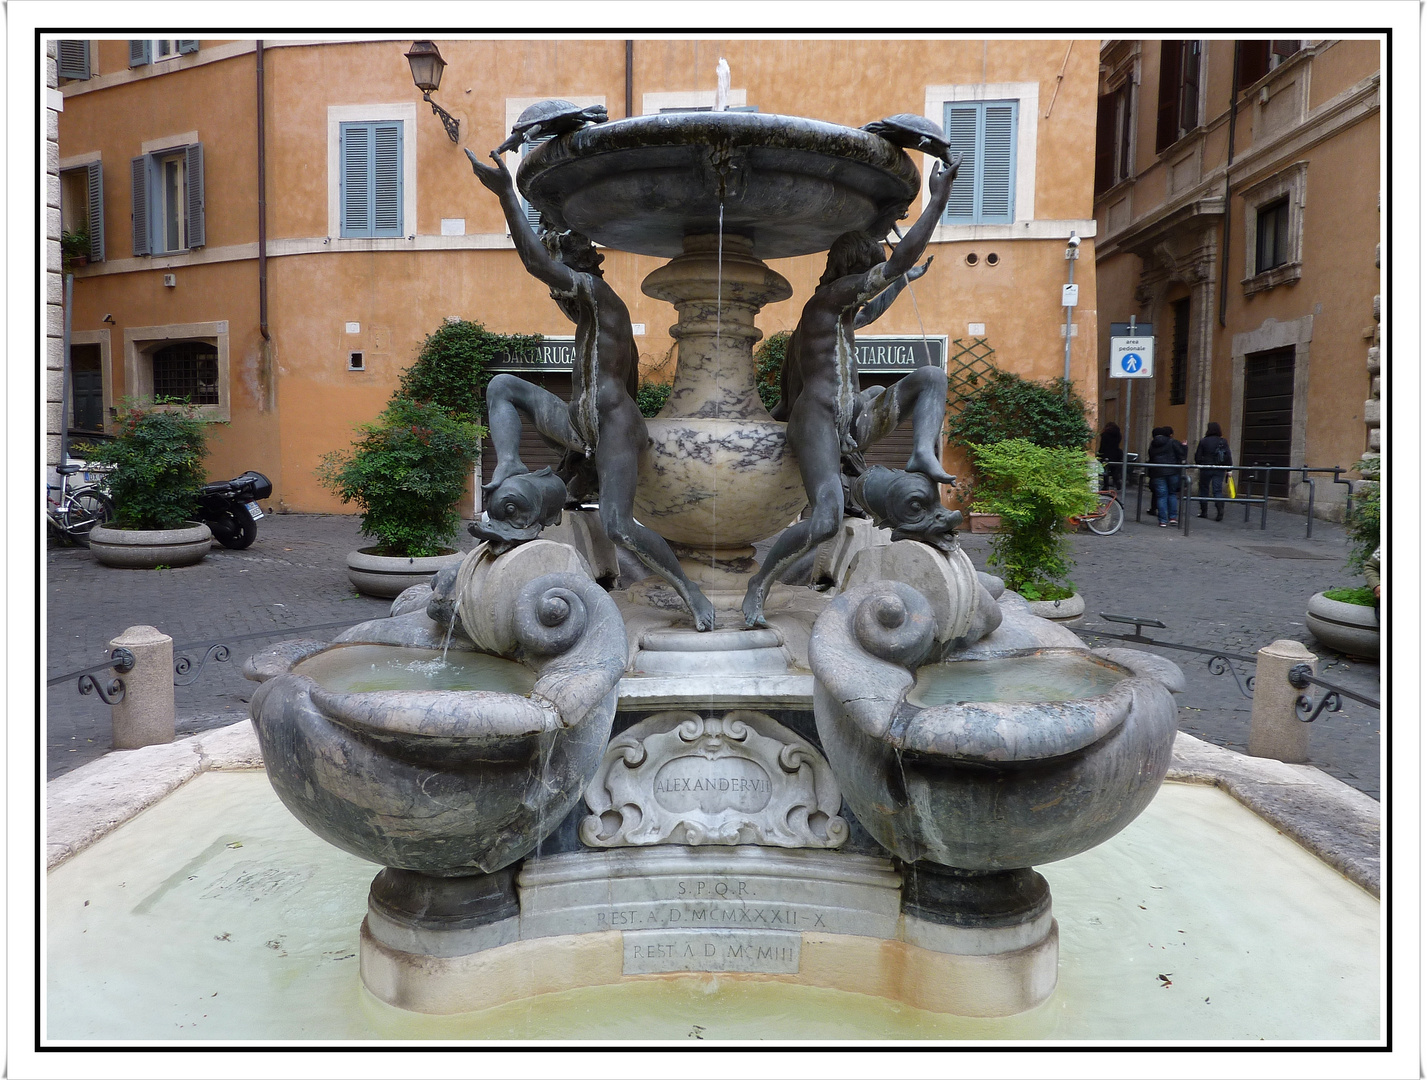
[819,799]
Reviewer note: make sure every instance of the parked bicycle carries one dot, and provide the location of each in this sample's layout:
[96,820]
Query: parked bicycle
[1106,518]
[75,507]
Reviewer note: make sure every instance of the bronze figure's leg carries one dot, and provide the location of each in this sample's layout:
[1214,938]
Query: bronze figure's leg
[812,434]
[617,458]
[922,393]
[507,398]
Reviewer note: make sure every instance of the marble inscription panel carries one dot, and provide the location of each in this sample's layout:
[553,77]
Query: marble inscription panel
[649,952]
[742,778]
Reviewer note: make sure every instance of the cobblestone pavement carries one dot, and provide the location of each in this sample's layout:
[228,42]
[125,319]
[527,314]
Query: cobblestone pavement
[1227,585]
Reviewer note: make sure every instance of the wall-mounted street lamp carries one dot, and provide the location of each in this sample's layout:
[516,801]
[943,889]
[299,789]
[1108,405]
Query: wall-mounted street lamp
[426,67]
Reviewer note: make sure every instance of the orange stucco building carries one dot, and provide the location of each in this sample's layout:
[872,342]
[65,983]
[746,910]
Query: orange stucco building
[1238,195]
[253,283]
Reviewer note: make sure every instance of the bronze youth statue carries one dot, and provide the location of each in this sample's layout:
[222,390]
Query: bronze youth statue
[601,419]
[829,419]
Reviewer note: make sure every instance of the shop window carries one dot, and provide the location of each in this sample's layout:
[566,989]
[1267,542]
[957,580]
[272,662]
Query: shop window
[168,200]
[371,181]
[1113,128]
[72,59]
[984,134]
[1180,63]
[81,202]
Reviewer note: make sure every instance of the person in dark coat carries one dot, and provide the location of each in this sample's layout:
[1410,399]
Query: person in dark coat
[1166,455]
[1110,453]
[1213,449]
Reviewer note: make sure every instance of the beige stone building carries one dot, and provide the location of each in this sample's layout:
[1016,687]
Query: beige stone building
[1237,190]
[243,256]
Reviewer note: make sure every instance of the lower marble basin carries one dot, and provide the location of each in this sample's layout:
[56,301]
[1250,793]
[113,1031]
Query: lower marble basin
[1030,752]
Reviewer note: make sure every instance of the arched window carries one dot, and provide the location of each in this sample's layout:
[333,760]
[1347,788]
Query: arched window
[187,370]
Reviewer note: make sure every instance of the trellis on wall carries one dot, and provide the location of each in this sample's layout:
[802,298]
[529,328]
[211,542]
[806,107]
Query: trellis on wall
[968,365]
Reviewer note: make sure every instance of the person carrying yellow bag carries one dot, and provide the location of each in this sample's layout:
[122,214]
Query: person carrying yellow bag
[1213,449]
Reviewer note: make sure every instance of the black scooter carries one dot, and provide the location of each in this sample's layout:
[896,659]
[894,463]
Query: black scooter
[230,508]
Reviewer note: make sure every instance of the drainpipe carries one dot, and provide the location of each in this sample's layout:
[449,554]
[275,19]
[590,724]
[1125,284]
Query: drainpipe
[628,79]
[1228,168]
[262,203]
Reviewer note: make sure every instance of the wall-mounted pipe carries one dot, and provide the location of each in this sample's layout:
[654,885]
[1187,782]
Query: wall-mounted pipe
[629,78]
[262,202]
[1228,168]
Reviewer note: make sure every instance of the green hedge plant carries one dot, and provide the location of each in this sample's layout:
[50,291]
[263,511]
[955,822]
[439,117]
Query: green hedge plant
[1364,525]
[652,396]
[1010,407]
[453,366]
[157,461]
[406,471]
[768,367]
[1034,489]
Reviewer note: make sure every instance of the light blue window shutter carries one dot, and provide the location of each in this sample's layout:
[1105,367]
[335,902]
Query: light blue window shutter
[532,215]
[961,127]
[356,180]
[73,59]
[386,179]
[193,178]
[998,164]
[139,174]
[139,52]
[187,46]
[95,191]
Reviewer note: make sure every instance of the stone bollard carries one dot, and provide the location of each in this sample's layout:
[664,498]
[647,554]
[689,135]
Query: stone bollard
[1275,731]
[145,716]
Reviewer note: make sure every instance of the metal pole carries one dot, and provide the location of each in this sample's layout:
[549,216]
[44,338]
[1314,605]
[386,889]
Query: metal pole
[64,376]
[1073,254]
[1125,435]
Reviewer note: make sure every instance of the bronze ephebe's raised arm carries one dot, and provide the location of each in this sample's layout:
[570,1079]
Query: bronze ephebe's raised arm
[602,421]
[831,422]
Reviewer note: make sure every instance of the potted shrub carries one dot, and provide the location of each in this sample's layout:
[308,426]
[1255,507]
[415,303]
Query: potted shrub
[74,248]
[1034,489]
[157,463]
[1006,406]
[1346,619]
[406,471]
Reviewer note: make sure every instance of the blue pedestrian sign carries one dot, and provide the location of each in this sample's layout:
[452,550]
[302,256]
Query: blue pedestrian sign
[1131,357]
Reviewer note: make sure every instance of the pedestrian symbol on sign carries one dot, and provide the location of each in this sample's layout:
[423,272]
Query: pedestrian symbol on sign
[1131,362]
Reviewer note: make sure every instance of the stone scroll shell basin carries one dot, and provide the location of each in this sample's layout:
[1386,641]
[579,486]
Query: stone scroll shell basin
[449,783]
[985,785]
[790,184]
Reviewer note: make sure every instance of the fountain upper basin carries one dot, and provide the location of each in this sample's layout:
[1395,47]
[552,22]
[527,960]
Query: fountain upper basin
[790,185]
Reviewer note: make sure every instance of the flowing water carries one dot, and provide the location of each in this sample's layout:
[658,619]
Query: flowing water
[357,669]
[1047,677]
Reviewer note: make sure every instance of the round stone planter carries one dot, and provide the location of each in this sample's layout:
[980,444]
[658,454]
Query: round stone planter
[148,549]
[391,575]
[1348,628]
[1072,607]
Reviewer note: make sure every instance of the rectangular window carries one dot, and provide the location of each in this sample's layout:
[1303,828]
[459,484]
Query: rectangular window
[187,371]
[1179,353]
[168,201]
[1178,114]
[149,51]
[81,201]
[371,179]
[1272,236]
[1112,139]
[73,59]
[984,134]
[1258,58]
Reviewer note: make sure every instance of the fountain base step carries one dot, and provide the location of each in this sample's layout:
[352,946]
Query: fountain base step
[959,985]
[806,917]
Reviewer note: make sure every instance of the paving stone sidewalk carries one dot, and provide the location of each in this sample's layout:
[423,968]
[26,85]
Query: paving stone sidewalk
[1227,585]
